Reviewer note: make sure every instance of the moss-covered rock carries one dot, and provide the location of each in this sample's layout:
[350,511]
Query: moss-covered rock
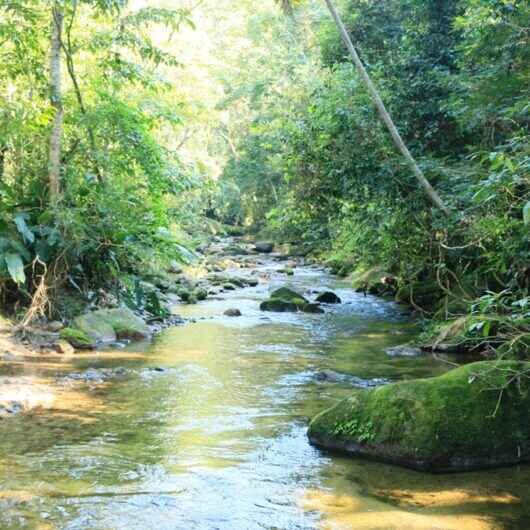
[288,295]
[286,300]
[107,325]
[473,417]
[200,293]
[77,338]
[189,295]
[423,294]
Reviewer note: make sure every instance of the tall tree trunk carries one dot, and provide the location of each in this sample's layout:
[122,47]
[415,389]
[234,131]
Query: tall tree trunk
[3,152]
[385,116]
[54,160]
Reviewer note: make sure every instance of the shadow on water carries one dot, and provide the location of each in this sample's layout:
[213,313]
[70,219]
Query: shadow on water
[214,437]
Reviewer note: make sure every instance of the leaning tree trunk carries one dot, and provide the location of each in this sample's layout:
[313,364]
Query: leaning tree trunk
[385,116]
[54,160]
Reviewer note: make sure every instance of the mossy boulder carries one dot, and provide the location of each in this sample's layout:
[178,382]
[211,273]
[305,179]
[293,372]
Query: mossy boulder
[476,416]
[423,294]
[107,325]
[286,300]
[200,293]
[77,338]
[288,295]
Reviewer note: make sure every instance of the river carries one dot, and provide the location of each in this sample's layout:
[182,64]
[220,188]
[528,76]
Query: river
[204,428]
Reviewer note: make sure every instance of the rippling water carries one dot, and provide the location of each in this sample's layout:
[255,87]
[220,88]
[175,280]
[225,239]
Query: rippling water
[217,439]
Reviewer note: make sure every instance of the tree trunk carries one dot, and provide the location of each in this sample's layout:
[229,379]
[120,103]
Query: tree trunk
[372,90]
[54,161]
[3,152]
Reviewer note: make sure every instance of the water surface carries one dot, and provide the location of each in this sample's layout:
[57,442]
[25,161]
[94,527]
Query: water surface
[204,428]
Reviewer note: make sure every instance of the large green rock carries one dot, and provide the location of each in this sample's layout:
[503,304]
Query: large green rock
[107,325]
[423,294]
[77,338]
[473,417]
[286,300]
[284,293]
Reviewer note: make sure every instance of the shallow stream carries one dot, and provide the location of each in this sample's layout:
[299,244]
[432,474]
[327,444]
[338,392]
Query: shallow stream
[205,428]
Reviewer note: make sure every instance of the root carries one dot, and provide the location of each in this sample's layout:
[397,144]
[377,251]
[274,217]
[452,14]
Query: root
[40,302]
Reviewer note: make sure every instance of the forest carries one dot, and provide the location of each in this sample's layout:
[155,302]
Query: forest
[360,169]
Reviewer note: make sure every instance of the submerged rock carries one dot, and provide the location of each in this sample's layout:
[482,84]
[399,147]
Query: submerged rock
[404,351]
[107,325]
[330,376]
[476,416]
[329,297]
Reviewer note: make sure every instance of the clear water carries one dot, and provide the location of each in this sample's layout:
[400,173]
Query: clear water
[217,440]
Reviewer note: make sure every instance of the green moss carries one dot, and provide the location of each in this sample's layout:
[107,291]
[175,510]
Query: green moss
[298,301]
[423,294]
[106,325]
[288,295]
[77,338]
[473,416]
[200,293]
[287,300]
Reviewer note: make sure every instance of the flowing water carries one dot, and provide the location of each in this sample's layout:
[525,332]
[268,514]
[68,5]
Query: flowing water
[205,428]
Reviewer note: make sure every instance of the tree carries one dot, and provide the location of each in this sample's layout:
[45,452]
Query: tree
[385,116]
[54,160]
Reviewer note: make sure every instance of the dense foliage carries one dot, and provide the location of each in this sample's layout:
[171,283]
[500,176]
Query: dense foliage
[315,164]
[116,213]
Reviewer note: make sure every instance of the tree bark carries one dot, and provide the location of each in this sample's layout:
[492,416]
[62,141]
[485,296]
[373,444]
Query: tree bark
[385,116]
[54,160]
[3,152]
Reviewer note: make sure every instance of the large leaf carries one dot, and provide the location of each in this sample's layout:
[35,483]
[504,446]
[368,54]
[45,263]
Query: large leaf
[526,213]
[23,228]
[15,266]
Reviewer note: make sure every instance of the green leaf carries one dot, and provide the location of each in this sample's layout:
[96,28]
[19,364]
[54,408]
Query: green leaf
[15,266]
[526,213]
[23,228]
